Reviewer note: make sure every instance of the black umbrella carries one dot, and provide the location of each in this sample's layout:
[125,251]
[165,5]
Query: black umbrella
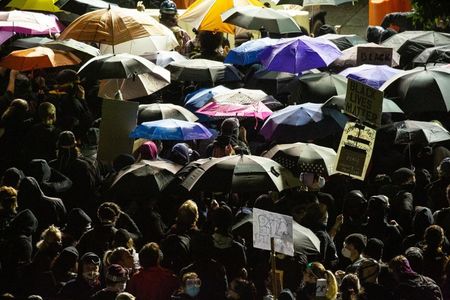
[81,7]
[316,87]
[409,44]
[30,42]
[418,132]
[344,41]
[338,101]
[270,82]
[160,111]
[420,90]
[305,241]
[439,54]
[203,70]
[143,179]
[240,173]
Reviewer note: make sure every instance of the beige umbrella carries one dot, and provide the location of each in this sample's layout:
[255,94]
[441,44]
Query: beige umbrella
[114,26]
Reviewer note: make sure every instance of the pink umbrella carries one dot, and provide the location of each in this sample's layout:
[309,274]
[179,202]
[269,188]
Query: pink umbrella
[254,110]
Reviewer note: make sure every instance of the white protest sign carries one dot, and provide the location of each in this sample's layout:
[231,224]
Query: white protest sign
[355,150]
[118,120]
[374,56]
[364,102]
[266,225]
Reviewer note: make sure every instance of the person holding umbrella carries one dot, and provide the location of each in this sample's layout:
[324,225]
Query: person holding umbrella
[228,142]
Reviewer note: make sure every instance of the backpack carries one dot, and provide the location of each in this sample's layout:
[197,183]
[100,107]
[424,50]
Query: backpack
[177,252]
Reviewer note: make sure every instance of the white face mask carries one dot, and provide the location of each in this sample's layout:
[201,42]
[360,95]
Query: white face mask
[346,253]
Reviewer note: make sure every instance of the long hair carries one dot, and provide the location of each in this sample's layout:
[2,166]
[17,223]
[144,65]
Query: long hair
[320,272]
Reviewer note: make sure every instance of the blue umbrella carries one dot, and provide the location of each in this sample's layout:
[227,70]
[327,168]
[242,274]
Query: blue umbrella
[371,75]
[248,52]
[199,98]
[171,129]
[299,54]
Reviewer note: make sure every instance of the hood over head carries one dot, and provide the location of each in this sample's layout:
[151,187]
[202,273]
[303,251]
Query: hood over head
[24,223]
[40,170]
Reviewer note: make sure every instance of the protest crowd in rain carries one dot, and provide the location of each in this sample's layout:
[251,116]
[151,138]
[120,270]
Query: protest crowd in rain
[142,161]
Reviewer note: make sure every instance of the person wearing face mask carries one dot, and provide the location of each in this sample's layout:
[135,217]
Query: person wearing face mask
[190,288]
[116,281]
[87,282]
[354,245]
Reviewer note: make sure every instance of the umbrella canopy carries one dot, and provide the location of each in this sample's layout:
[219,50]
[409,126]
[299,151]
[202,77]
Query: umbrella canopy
[338,101]
[38,58]
[305,241]
[316,87]
[300,123]
[5,35]
[203,70]
[143,45]
[240,173]
[80,49]
[270,82]
[30,42]
[116,66]
[171,129]
[164,58]
[206,14]
[248,53]
[114,26]
[143,179]
[256,17]
[420,90]
[314,2]
[344,41]
[27,22]
[411,43]
[304,157]
[161,111]
[225,110]
[371,75]
[199,98]
[439,54]
[417,132]
[39,5]
[242,96]
[81,7]
[136,87]
[349,56]
[299,54]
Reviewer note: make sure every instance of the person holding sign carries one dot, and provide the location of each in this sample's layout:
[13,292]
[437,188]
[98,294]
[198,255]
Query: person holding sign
[319,283]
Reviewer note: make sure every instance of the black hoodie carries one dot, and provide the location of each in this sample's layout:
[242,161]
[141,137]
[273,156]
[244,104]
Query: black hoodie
[50,180]
[48,210]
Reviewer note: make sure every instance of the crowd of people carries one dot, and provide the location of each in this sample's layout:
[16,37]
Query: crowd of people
[66,232]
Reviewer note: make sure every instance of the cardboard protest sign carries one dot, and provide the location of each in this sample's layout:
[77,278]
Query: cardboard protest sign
[355,150]
[119,118]
[364,102]
[374,56]
[266,225]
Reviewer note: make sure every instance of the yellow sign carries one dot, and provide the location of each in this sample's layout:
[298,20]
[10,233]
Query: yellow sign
[355,150]
[364,102]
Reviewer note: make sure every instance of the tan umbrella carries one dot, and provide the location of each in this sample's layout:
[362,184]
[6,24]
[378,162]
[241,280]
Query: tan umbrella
[114,26]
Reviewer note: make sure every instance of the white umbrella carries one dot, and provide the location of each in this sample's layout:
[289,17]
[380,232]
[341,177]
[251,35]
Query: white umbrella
[143,45]
[163,58]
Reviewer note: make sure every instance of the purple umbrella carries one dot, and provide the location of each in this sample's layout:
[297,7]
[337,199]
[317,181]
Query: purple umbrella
[372,75]
[29,22]
[299,54]
[171,129]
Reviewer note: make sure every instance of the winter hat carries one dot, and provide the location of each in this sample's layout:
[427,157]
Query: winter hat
[181,154]
[122,237]
[90,258]
[374,248]
[401,176]
[368,270]
[415,258]
[229,126]
[66,140]
[123,160]
[116,273]
[223,218]
[68,257]
[40,170]
[148,150]
[78,219]
[358,241]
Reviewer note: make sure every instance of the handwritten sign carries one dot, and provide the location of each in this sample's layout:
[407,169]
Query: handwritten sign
[355,150]
[374,56]
[266,225]
[364,102]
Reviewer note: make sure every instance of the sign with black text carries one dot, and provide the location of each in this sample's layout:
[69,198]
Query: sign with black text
[364,102]
[355,150]
[374,56]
